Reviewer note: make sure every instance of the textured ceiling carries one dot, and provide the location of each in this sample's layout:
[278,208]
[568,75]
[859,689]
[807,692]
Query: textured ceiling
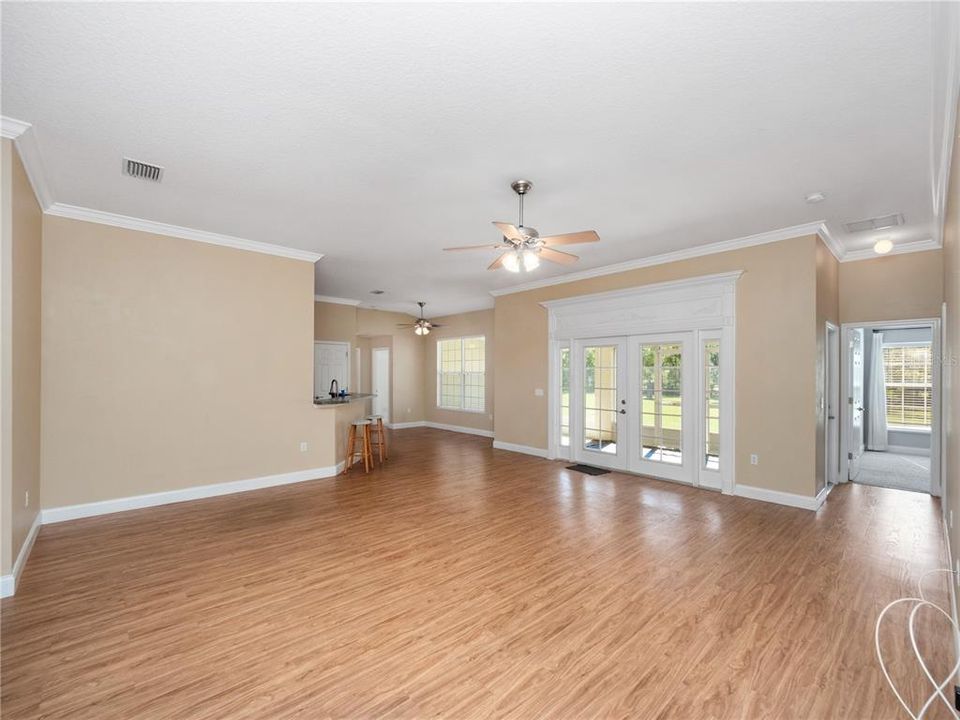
[378,134]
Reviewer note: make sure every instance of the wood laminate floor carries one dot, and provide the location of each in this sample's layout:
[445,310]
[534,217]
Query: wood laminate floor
[462,581]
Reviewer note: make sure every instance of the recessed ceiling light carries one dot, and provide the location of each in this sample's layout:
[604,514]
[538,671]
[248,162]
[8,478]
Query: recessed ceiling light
[376,292]
[883,246]
[816,197]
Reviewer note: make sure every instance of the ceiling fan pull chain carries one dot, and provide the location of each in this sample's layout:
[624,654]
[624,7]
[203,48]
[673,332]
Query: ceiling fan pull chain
[521,210]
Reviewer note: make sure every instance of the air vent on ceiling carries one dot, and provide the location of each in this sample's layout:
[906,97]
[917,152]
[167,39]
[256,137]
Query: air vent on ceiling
[137,169]
[877,223]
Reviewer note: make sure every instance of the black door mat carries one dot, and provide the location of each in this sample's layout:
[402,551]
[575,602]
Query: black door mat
[588,469]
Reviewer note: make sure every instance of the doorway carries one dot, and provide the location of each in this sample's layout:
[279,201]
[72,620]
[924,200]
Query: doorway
[891,416]
[642,380]
[651,404]
[831,402]
[380,382]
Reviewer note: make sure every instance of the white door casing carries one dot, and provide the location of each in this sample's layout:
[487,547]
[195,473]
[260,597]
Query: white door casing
[855,402]
[380,380]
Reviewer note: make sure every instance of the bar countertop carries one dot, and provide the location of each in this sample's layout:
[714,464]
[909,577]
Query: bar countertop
[327,401]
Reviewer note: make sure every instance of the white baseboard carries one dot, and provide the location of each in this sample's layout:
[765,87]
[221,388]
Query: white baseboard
[104,507]
[459,429]
[404,425]
[440,426]
[8,583]
[525,449]
[806,502]
[907,450]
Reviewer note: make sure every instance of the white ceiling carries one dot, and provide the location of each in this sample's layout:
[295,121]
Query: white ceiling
[378,134]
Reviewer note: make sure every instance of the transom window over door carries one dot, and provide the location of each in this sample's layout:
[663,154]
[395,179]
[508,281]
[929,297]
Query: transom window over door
[908,376]
[461,373]
[661,432]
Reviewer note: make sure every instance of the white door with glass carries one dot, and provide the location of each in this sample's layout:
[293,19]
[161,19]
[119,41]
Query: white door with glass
[661,381]
[855,402]
[599,411]
[649,404]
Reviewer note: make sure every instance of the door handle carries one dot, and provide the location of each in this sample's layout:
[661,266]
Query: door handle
[623,412]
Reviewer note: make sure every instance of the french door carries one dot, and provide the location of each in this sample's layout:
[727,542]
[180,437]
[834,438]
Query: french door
[599,403]
[649,404]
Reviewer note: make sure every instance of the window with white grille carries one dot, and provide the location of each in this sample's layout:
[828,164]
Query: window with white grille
[461,373]
[908,370]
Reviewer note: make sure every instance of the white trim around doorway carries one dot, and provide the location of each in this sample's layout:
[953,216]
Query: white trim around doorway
[936,486]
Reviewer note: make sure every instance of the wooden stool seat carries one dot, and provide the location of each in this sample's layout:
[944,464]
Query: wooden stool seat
[361,438]
[379,438]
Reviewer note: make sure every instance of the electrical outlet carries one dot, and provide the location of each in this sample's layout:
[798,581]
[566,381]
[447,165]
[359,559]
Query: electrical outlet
[538,392]
[950,521]
[303,447]
[26,498]
[754,459]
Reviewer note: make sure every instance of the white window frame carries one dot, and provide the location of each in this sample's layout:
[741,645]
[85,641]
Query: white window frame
[463,375]
[919,429]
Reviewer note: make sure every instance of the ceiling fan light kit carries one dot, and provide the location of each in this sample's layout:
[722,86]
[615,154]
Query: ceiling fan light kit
[421,326]
[523,248]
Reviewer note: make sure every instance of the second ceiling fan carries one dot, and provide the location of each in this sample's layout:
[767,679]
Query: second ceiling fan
[522,246]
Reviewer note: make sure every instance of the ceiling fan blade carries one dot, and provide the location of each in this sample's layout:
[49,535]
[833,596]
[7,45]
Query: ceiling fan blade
[433,325]
[571,238]
[475,247]
[509,231]
[498,263]
[406,325]
[557,256]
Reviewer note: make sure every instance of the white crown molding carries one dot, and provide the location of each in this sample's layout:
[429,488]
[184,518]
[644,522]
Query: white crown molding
[335,300]
[900,249]
[23,134]
[12,128]
[787,233]
[833,245]
[25,138]
[74,212]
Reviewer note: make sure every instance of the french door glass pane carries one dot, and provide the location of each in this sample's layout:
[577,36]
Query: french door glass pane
[711,401]
[661,431]
[565,397]
[600,398]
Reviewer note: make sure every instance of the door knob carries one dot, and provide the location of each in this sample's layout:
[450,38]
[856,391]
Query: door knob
[623,412]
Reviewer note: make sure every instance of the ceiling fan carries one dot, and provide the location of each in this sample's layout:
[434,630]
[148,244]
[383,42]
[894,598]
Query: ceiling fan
[523,247]
[422,326]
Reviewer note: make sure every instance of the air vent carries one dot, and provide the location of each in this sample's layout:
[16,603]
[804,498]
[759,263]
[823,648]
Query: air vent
[877,223]
[146,171]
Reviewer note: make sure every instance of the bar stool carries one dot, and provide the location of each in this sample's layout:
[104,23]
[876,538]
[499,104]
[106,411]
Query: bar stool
[359,433]
[379,439]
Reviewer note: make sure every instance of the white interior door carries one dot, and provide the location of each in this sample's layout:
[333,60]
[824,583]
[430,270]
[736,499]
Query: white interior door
[855,401]
[599,418]
[380,377]
[663,402]
[331,361]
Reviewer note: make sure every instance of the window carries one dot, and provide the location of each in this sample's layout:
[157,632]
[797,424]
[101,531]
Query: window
[461,373]
[711,402]
[661,430]
[909,384]
[565,397]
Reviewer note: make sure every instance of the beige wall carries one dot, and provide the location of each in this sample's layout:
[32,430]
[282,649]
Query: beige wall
[23,230]
[464,324]
[366,329]
[169,363]
[951,350]
[895,287]
[776,351]
[828,310]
